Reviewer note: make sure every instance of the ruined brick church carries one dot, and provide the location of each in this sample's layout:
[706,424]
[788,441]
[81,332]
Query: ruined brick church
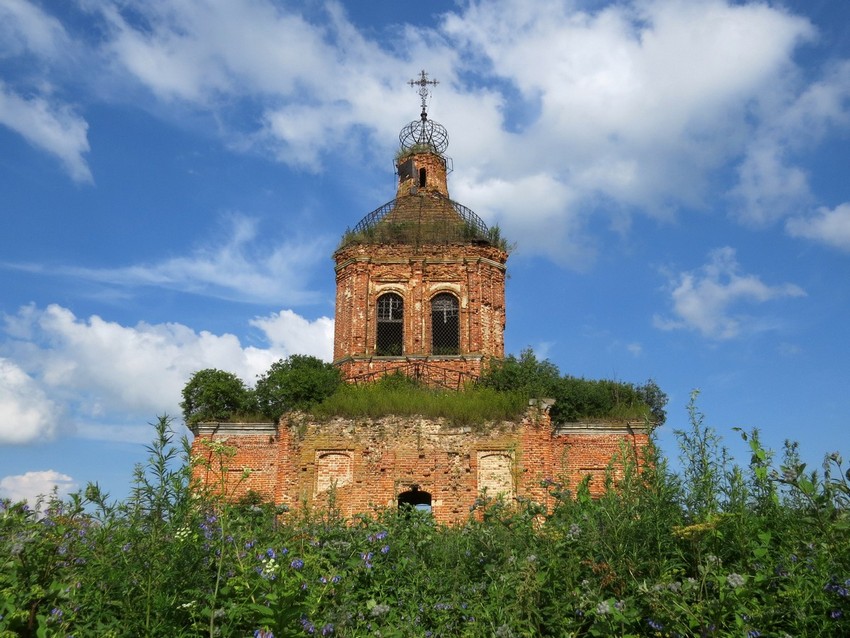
[420,289]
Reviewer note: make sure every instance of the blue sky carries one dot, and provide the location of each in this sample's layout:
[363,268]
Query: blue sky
[175,174]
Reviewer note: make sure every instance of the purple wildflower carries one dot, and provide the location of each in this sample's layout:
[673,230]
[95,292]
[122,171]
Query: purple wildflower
[309,627]
[296,563]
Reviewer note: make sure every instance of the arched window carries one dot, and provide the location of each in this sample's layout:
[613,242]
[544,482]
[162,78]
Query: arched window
[445,324]
[390,326]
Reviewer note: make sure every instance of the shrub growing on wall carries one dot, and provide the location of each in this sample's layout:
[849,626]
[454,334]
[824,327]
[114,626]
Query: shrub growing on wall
[215,395]
[296,383]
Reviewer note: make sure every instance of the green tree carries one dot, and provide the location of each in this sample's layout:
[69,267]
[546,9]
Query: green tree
[215,395]
[523,374]
[295,383]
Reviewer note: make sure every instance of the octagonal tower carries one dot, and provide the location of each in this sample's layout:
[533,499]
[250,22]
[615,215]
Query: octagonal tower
[420,281]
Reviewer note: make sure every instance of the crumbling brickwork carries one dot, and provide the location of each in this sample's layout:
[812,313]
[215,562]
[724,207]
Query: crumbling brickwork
[475,275]
[366,464]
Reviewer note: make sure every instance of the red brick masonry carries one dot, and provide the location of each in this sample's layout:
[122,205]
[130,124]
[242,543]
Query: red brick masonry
[368,463]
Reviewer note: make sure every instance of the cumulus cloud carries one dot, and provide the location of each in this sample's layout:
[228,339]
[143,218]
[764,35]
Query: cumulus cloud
[50,126]
[26,414]
[290,333]
[707,300]
[103,371]
[827,226]
[30,485]
[580,110]
[637,102]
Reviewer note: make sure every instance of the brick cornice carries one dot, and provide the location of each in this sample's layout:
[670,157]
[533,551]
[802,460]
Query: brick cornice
[229,429]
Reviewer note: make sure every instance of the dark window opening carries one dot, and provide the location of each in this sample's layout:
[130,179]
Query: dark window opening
[445,325]
[422,178]
[390,326]
[415,499]
[405,170]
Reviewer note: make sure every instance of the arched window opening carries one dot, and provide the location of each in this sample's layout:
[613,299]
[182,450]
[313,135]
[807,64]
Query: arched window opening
[390,326]
[445,325]
[422,180]
[414,499]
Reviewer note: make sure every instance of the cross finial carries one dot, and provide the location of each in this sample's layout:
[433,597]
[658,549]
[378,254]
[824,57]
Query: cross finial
[423,83]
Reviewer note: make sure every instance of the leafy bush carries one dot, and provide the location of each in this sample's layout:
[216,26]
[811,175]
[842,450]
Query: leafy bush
[296,383]
[214,395]
[575,398]
[532,378]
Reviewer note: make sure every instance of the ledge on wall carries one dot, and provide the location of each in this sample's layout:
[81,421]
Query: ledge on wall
[603,427]
[230,428]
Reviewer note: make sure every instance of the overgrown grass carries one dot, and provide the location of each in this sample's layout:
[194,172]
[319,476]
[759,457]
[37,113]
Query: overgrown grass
[473,407]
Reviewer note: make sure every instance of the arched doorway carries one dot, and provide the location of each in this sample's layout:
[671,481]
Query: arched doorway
[415,499]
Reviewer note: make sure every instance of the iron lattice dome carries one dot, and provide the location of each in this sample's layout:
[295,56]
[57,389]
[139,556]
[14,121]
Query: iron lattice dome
[430,218]
[424,135]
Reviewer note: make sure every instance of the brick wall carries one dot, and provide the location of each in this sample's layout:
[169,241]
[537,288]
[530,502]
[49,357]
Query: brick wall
[368,463]
[474,274]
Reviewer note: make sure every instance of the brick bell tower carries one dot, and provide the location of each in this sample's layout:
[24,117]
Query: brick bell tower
[420,281]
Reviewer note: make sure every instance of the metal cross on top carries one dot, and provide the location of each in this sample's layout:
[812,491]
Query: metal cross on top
[423,83]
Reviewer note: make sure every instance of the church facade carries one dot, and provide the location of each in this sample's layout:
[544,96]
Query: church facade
[420,290]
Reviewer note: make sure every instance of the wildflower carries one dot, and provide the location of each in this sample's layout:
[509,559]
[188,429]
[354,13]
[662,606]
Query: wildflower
[620,605]
[504,631]
[327,630]
[297,563]
[835,614]
[654,624]
[385,549]
[603,608]
[271,553]
[735,580]
[126,547]
[575,530]
[336,579]
[753,633]
[379,610]
[381,535]
[309,627]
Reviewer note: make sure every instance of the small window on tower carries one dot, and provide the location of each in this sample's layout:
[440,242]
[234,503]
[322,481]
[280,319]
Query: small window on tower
[405,170]
[445,325]
[390,326]
[422,180]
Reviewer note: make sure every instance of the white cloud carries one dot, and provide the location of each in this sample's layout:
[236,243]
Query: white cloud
[706,300]
[631,107]
[25,28]
[30,485]
[52,127]
[290,333]
[240,265]
[770,185]
[26,414]
[105,373]
[830,227]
